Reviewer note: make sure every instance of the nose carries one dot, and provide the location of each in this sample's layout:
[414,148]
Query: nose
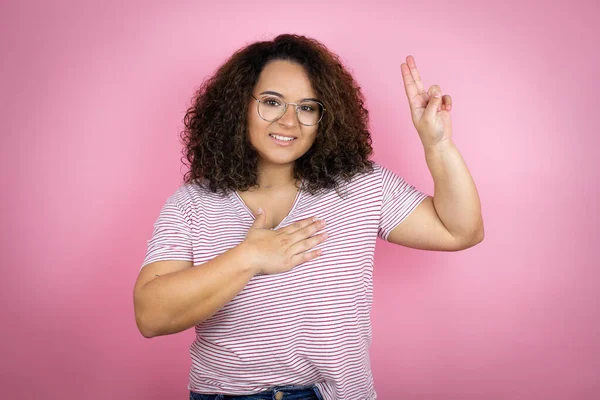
[289,118]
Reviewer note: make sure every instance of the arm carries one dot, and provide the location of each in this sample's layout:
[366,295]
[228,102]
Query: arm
[455,198]
[451,220]
[181,296]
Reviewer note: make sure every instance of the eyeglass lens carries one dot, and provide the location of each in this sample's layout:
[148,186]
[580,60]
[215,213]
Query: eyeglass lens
[272,108]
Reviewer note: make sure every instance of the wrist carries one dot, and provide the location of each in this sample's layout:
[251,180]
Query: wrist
[440,148]
[244,260]
[442,145]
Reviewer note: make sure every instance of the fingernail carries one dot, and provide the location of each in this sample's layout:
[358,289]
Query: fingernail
[437,95]
[260,211]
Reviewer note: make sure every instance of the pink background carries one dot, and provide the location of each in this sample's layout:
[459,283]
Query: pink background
[93,96]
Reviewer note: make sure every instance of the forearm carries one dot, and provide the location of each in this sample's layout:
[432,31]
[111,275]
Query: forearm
[456,200]
[178,301]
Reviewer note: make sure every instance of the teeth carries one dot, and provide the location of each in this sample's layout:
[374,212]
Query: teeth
[282,138]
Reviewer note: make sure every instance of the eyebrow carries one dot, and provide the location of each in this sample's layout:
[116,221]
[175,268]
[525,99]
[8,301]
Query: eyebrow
[280,95]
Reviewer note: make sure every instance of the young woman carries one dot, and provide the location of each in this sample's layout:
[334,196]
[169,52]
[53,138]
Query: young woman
[267,248]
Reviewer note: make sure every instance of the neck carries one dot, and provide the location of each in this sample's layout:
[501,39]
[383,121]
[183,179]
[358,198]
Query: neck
[275,176]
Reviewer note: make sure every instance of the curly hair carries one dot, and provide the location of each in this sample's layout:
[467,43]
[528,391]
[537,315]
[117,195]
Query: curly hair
[215,139]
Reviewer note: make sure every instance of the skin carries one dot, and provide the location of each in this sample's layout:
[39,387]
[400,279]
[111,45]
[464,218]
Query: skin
[430,116]
[276,163]
[451,220]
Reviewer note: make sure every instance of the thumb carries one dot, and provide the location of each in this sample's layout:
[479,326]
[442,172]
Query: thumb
[432,106]
[260,220]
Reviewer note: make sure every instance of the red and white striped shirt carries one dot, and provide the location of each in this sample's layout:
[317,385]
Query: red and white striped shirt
[310,325]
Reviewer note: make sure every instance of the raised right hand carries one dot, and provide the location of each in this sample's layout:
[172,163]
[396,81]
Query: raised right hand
[276,251]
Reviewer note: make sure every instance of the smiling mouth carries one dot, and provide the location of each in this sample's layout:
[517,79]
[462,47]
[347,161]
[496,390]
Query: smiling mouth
[282,142]
[282,138]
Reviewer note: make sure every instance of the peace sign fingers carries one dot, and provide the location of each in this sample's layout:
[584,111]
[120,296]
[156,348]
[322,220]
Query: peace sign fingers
[412,79]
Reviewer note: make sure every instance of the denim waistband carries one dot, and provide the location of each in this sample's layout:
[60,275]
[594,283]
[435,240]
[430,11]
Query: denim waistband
[290,392]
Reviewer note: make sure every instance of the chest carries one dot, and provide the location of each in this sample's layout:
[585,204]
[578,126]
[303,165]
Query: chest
[277,204]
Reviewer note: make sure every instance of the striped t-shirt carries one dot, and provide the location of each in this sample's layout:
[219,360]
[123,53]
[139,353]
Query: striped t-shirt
[309,325]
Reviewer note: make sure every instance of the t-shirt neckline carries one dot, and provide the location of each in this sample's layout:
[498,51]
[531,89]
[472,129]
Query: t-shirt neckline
[247,210]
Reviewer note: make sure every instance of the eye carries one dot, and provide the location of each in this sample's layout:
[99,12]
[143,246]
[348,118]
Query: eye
[270,101]
[308,107]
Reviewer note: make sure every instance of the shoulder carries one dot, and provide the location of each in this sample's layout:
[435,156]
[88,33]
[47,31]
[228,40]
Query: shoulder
[388,177]
[185,193]
[371,177]
[366,183]
[382,171]
[192,196]
[376,171]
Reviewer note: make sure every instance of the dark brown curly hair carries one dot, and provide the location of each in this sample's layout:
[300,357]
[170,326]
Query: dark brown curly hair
[216,143]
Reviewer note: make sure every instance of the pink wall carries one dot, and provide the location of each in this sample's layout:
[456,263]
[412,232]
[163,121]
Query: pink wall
[92,101]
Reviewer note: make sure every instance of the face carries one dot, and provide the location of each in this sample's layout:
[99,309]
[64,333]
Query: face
[285,82]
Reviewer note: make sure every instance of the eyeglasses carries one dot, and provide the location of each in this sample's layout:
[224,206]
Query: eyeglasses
[272,108]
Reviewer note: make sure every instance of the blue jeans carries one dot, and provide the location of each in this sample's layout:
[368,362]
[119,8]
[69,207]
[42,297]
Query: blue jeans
[291,392]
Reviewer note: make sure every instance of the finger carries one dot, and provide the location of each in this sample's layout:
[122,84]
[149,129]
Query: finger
[410,60]
[307,244]
[296,226]
[434,104]
[303,257]
[307,231]
[260,219]
[410,87]
[434,89]
[447,101]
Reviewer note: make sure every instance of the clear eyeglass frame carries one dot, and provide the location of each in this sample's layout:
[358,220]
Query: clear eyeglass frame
[296,105]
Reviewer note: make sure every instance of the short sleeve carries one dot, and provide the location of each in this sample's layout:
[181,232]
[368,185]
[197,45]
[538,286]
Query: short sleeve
[399,199]
[171,238]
